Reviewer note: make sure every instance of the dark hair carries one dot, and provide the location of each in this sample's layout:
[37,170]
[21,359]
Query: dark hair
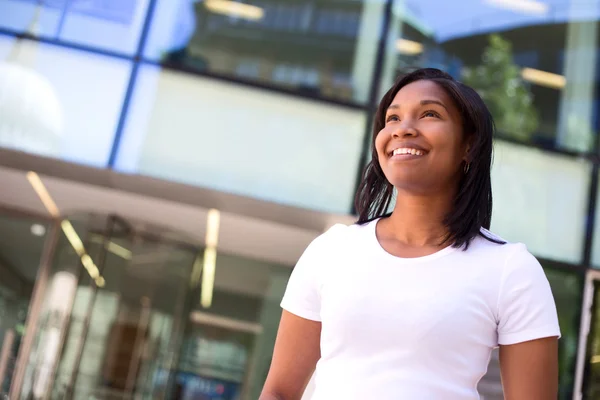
[472,208]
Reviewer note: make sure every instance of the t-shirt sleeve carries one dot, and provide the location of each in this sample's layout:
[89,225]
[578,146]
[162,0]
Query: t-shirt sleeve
[303,293]
[526,308]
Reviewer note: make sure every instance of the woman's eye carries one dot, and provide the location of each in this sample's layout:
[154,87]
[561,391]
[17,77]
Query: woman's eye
[431,114]
[392,118]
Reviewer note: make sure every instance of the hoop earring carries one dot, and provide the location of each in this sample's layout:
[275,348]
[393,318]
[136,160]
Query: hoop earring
[467,167]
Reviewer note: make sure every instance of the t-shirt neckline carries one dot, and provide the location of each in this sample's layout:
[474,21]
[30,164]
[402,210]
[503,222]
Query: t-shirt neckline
[412,260]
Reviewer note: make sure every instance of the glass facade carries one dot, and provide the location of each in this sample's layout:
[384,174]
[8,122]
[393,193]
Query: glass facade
[272,100]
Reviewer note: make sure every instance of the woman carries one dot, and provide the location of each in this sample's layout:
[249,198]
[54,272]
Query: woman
[409,305]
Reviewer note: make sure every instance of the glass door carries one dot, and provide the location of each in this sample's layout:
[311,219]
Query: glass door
[22,242]
[114,313]
[588,368]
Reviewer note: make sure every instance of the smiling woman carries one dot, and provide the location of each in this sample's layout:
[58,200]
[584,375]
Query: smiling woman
[411,304]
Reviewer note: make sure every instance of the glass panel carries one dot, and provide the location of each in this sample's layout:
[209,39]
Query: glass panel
[20,15]
[567,288]
[111,322]
[59,102]
[229,345]
[110,24]
[20,253]
[114,25]
[592,370]
[324,48]
[534,63]
[241,140]
[540,199]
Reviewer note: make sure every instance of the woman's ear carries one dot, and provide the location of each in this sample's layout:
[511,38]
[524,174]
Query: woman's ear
[467,156]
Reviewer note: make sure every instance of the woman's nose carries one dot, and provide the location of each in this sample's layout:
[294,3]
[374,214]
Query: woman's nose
[404,129]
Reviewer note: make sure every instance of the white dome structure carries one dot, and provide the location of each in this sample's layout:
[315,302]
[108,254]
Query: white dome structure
[31,117]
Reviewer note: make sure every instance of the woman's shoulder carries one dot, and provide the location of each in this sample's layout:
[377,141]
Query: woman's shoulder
[339,234]
[340,237]
[493,246]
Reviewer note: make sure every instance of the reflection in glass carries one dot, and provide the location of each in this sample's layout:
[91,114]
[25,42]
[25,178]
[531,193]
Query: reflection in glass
[60,103]
[17,15]
[231,343]
[535,67]
[110,336]
[322,48]
[136,327]
[111,25]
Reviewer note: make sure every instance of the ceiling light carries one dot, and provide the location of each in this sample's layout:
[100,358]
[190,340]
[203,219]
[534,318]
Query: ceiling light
[42,192]
[67,228]
[212,228]
[543,78]
[523,6]
[113,247]
[235,9]
[38,230]
[208,276]
[213,222]
[409,47]
[73,237]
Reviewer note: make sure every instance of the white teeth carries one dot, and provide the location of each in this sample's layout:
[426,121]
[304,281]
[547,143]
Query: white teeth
[414,152]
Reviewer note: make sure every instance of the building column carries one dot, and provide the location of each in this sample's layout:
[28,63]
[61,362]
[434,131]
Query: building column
[367,41]
[576,112]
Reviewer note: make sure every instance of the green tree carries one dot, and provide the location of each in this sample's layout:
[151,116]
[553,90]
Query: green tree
[498,81]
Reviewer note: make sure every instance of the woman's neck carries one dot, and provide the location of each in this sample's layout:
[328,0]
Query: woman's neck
[419,220]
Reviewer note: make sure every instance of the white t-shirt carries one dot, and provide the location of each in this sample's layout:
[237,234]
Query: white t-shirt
[415,328]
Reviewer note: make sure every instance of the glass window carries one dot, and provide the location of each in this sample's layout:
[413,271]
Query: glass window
[321,48]
[112,25]
[567,288]
[113,318]
[534,63]
[245,141]
[540,199]
[58,102]
[232,341]
[20,15]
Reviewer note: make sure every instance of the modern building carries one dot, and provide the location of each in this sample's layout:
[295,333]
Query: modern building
[164,163]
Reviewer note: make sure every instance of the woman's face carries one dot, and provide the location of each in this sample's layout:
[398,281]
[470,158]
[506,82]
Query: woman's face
[422,147]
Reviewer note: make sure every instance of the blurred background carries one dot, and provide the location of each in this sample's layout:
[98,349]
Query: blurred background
[164,163]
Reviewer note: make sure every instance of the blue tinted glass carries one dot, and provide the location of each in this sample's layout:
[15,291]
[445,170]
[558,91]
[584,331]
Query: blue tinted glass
[113,25]
[58,102]
[534,62]
[317,48]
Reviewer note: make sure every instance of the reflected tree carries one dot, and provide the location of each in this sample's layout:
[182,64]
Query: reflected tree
[498,81]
